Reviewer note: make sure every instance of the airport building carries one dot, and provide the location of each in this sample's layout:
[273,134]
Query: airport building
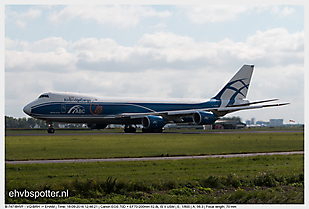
[252,121]
[262,123]
[275,122]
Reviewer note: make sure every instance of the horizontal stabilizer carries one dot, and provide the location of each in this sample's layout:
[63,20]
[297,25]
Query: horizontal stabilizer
[256,102]
[232,109]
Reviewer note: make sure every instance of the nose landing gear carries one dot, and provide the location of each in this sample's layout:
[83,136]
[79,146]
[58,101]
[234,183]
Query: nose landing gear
[50,129]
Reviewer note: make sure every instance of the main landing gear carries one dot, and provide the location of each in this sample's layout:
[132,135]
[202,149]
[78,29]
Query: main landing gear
[132,129]
[156,130]
[129,129]
[50,129]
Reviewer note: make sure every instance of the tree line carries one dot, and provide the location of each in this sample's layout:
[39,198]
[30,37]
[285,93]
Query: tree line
[11,122]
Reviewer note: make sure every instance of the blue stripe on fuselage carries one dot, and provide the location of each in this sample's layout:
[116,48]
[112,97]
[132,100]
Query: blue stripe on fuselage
[114,108]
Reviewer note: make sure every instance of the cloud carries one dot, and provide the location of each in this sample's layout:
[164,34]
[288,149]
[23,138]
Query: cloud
[119,16]
[44,45]
[20,23]
[170,47]
[160,50]
[21,19]
[32,13]
[159,25]
[93,50]
[56,61]
[9,43]
[278,39]
[202,14]
[282,12]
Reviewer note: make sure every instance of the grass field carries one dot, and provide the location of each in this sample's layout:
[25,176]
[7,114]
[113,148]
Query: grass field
[262,179]
[278,179]
[137,145]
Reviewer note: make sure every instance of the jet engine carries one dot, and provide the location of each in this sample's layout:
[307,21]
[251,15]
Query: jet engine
[204,118]
[153,123]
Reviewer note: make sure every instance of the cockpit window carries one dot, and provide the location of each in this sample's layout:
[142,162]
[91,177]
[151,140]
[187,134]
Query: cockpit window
[44,96]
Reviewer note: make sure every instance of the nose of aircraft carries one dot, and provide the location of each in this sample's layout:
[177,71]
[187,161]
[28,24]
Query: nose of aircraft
[27,109]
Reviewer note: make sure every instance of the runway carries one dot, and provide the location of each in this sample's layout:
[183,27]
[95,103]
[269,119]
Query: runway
[151,158]
[199,132]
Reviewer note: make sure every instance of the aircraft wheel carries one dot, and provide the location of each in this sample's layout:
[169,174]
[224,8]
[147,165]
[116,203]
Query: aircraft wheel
[129,129]
[145,130]
[157,130]
[51,130]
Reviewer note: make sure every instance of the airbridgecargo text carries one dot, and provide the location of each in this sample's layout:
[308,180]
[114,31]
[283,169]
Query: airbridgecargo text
[37,194]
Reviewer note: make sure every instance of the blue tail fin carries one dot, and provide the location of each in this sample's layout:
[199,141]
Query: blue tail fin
[237,87]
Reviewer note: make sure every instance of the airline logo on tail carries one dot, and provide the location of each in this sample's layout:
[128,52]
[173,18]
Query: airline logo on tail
[236,88]
[237,91]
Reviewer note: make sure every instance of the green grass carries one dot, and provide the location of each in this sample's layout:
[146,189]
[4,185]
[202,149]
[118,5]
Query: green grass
[262,179]
[37,174]
[137,145]
[20,131]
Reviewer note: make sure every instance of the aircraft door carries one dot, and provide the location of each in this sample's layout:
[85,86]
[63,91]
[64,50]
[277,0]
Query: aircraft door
[63,108]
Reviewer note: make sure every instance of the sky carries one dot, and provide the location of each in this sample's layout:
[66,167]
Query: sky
[158,50]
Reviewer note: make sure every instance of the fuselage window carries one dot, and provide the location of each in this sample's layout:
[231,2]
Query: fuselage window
[44,96]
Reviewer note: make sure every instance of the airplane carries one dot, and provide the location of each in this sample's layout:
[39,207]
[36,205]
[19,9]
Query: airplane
[153,114]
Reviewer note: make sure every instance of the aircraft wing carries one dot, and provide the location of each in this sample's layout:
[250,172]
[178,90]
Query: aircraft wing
[219,111]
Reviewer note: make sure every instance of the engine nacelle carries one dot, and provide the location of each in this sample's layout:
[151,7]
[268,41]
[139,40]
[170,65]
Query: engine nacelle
[96,125]
[153,122]
[204,118]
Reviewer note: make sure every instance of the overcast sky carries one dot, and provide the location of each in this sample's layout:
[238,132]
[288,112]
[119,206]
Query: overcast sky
[155,51]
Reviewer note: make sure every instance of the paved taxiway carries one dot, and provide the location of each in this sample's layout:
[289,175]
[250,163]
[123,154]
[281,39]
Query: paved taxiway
[151,158]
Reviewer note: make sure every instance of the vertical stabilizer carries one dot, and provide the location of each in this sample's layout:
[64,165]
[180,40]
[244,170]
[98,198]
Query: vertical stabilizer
[237,87]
